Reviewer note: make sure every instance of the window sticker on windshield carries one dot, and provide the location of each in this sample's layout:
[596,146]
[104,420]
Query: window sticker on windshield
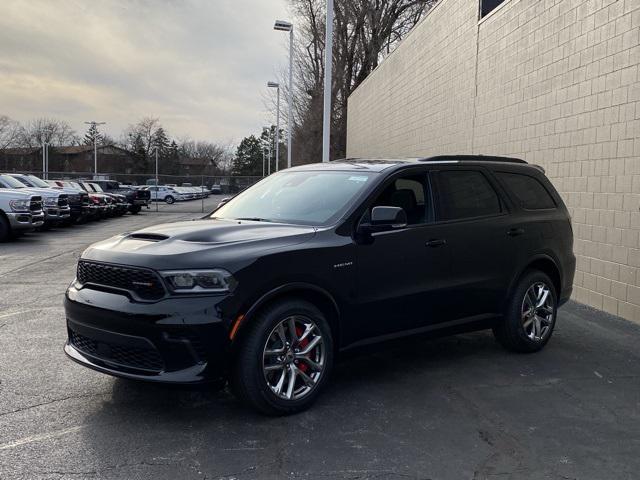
[358,179]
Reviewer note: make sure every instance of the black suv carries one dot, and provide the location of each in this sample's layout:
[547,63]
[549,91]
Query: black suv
[321,258]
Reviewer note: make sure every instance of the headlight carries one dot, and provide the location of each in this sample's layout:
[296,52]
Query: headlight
[19,205]
[199,281]
[51,201]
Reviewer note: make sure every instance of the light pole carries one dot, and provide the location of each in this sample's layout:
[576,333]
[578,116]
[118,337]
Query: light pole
[156,166]
[328,66]
[277,86]
[44,159]
[267,130]
[264,159]
[283,26]
[95,145]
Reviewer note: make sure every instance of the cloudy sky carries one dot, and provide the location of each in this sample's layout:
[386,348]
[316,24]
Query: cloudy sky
[199,65]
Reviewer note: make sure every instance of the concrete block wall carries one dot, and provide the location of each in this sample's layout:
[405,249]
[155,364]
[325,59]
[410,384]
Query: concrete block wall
[419,96]
[556,82]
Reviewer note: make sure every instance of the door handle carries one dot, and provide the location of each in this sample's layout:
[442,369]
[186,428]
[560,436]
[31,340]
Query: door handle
[436,242]
[514,232]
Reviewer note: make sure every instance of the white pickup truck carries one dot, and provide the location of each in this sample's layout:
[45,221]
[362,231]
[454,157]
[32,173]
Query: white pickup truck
[19,212]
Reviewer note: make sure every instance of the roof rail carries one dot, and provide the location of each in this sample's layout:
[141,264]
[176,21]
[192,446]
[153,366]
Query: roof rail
[473,158]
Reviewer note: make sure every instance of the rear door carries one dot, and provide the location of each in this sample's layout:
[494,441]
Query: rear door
[475,221]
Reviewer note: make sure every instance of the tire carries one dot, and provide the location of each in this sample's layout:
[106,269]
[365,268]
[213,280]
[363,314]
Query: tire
[5,229]
[169,199]
[523,328]
[257,387]
[135,209]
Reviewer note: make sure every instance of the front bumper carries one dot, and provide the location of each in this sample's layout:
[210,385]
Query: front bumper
[176,340]
[24,220]
[57,214]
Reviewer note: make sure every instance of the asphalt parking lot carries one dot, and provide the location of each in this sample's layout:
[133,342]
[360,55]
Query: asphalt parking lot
[452,408]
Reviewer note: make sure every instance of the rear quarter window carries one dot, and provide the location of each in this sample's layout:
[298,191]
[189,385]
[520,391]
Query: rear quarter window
[529,191]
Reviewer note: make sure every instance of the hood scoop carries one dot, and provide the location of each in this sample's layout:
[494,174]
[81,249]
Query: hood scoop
[149,237]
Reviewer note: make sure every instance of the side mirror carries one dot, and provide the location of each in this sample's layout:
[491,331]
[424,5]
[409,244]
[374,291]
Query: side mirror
[388,218]
[222,202]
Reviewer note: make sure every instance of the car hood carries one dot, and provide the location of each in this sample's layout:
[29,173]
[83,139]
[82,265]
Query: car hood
[44,192]
[15,194]
[198,244]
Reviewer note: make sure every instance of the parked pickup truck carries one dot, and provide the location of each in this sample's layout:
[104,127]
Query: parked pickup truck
[19,212]
[136,198]
[56,203]
[78,200]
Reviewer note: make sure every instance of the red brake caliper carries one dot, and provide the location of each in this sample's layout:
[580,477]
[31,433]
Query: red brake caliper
[302,365]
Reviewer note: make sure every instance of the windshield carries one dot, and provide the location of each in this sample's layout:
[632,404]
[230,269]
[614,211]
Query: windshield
[303,197]
[75,185]
[12,182]
[97,188]
[35,181]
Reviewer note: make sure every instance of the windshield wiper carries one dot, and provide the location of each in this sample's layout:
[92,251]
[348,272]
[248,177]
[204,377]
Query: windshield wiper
[253,219]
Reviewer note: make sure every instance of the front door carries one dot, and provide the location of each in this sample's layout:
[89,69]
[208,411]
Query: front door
[402,274]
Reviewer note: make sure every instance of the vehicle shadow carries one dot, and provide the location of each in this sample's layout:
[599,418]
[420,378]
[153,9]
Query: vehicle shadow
[387,364]
[211,431]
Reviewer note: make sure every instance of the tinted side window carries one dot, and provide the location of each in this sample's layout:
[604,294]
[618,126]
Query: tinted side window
[466,194]
[409,193]
[528,190]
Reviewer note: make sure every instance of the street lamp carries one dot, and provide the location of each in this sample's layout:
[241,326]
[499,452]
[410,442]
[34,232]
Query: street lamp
[45,160]
[283,26]
[328,66]
[277,86]
[95,145]
[267,130]
[157,148]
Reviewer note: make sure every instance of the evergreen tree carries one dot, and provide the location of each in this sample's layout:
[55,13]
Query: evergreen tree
[139,153]
[92,134]
[173,159]
[160,140]
[248,158]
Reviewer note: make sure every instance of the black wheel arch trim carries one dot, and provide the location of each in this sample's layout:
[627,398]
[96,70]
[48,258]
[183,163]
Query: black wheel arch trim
[289,288]
[535,258]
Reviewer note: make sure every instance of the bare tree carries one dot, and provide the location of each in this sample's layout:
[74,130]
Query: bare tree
[47,130]
[203,150]
[365,31]
[9,132]
[140,137]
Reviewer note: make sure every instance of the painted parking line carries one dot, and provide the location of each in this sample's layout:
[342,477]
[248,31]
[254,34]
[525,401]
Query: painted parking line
[26,311]
[41,437]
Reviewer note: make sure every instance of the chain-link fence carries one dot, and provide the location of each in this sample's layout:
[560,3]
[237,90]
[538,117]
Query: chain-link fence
[171,193]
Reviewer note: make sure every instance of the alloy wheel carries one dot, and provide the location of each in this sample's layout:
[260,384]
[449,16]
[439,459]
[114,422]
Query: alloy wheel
[294,357]
[538,312]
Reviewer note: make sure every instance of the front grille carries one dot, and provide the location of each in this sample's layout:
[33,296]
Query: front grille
[84,198]
[36,204]
[144,283]
[140,358]
[63,201]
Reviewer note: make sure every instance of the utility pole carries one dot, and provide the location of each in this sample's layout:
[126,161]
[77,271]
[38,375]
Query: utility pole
[95,146]
[328,66]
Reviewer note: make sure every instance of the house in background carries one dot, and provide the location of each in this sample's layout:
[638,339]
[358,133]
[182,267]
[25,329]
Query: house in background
[68,159]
